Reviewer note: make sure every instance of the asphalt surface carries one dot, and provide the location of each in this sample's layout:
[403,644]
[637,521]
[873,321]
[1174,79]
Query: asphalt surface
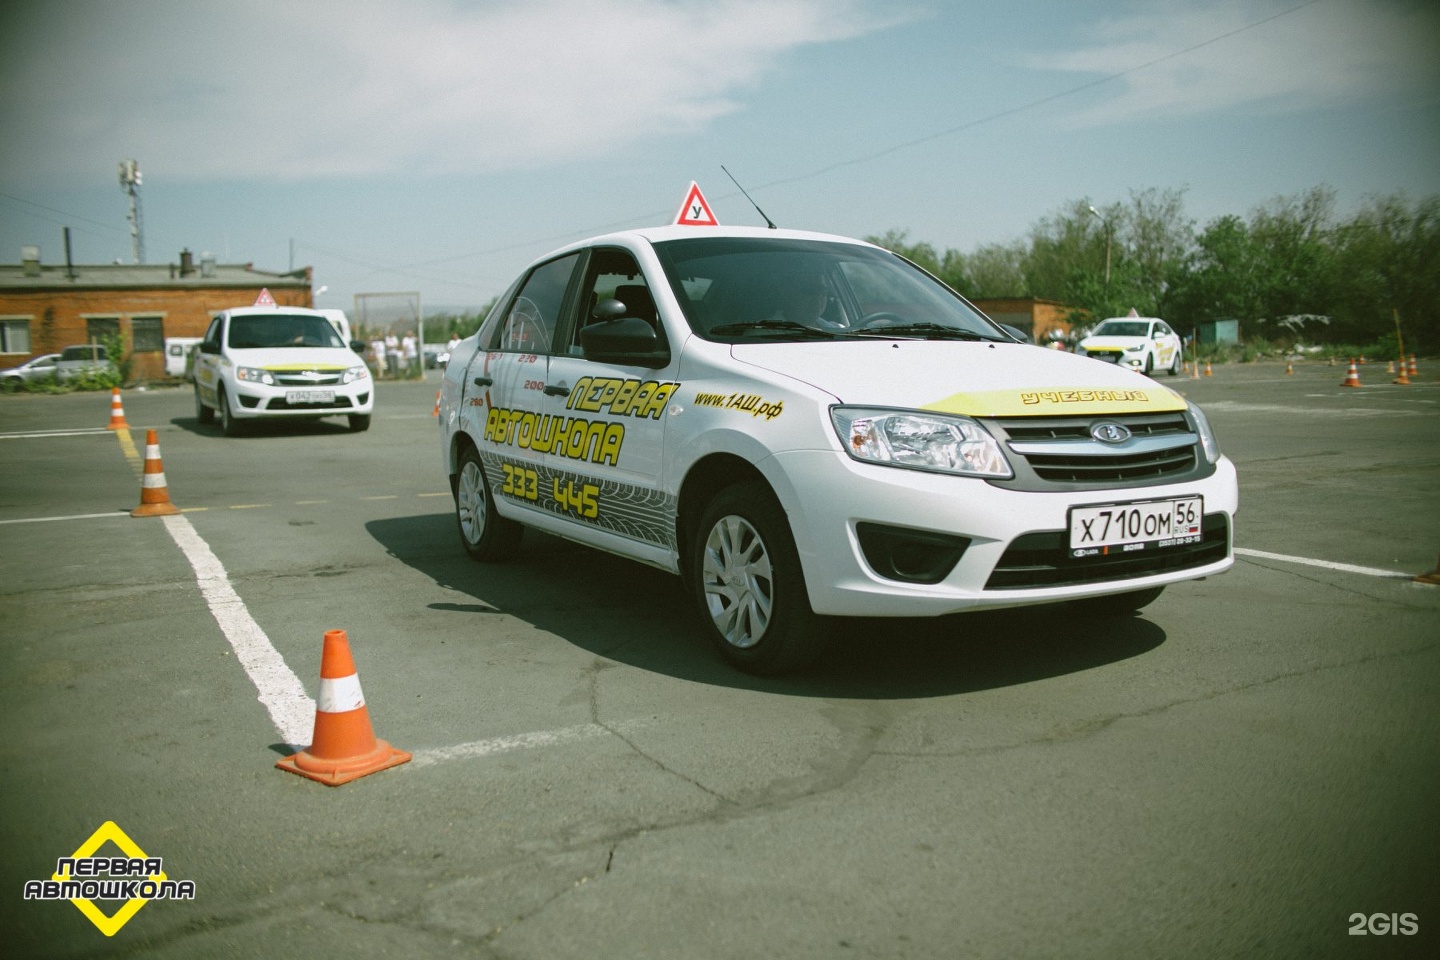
[1239,770]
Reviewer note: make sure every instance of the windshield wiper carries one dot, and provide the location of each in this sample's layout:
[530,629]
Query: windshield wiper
[935,331]
[780,326]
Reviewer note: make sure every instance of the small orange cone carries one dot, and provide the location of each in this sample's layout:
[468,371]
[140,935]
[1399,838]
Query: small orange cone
[436,411]
[1207,368]
[154,494]
[1352,376]
[1403,380]
[1390,367]
[1433,577]
[344,747]
[117,412]
[1414,370]
[1289,369]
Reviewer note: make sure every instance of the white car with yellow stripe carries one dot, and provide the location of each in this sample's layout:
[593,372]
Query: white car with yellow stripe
[1145,344]
[803,425]
[274,362]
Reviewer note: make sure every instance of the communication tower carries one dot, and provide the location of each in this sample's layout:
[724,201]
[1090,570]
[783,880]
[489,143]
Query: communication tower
[130,184]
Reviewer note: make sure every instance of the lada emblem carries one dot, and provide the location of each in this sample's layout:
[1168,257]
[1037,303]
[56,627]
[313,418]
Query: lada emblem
[1108,431]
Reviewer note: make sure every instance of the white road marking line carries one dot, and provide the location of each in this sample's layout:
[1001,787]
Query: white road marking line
[41,434]
[521,741]
[1327,564]
[291,709]
[76,516]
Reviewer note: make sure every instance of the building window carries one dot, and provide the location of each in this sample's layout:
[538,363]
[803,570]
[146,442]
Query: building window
[147,335]
[15,336]
[97,327]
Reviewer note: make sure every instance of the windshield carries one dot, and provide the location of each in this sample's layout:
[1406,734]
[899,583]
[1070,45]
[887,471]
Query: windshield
[282,330]
[1122,328]
[742,289]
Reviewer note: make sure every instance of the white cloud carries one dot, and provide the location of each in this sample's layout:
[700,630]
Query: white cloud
[215,89]
[1326,53]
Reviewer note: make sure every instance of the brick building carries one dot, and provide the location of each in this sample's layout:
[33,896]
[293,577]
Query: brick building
[1042,319]
[45,308]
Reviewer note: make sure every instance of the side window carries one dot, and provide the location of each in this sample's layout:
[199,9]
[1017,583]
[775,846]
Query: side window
[613,275]
[530,321]
[212,335]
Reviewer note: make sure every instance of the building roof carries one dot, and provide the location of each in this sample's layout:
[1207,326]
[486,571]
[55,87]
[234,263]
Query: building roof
[30,277]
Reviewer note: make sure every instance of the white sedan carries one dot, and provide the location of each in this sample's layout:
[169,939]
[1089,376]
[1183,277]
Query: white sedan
[1143,344]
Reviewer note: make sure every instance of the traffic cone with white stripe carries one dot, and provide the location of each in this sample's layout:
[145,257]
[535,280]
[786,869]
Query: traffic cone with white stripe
[1352,376]
[154,494]
[1414,367]
[117,412]
[344,746]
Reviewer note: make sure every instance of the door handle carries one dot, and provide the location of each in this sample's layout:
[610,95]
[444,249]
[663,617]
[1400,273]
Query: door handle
[484,381]
[557,390]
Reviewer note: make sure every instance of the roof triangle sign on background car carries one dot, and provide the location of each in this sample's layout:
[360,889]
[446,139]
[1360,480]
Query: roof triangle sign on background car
[695,211]
[265,300]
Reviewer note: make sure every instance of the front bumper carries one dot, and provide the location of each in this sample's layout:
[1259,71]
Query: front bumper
[1014,552]
[254,400]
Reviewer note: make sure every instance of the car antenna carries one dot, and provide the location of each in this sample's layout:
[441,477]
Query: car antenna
[768,222]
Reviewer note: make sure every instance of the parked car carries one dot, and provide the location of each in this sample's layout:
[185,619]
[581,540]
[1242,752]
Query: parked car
[801,425]
[40,368]
[81,359]
[178,350]
[1144,344]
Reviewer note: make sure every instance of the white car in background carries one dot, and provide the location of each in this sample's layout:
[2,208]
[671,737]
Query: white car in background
[1143,344]
[40,368]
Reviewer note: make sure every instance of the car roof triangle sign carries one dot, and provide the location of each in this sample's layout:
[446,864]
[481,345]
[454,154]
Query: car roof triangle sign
[695,211]
[264,300]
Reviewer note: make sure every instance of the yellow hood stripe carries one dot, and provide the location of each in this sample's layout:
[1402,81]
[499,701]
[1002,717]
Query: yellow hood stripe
[317,367]
[1058,401]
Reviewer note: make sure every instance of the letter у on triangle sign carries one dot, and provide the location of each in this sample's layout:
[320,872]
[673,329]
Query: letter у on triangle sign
[695,211]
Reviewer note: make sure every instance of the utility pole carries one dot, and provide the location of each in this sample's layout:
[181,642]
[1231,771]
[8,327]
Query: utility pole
[1107,249]
[130,185]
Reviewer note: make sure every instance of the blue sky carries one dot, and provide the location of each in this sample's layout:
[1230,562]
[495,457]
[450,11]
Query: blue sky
[440,146]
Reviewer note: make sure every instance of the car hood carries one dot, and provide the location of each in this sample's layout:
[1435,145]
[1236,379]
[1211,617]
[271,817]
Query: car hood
[1111,343]
[296,358]
[974,379]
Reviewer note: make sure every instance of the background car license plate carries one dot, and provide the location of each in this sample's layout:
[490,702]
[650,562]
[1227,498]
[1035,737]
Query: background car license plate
[309,396]
[1120,527]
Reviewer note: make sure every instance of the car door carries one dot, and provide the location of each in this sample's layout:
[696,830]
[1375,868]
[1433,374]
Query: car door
[508,382]
[603,429]
[1166,344]
[207,361]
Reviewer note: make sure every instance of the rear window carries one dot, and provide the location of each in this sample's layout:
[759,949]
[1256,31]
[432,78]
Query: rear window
[95,352]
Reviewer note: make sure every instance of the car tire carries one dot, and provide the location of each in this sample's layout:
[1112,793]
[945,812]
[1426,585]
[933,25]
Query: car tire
[204,414]
[1149,363]
[1175,364]
[1118,604]
[359,422]
[229,425]
[747,583]
[486,536]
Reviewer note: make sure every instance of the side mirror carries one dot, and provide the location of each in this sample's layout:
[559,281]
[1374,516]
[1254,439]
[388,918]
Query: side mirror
[208,346]
[628,342]
[357,346]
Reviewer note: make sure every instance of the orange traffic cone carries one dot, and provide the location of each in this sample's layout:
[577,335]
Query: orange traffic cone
[1289,369]
[154,494]
[1390,367]
[1207,368]
[1403,380]
[117,412]
[344,747]
[1414,370]
[436,411]
[1433,577]
[1352,376]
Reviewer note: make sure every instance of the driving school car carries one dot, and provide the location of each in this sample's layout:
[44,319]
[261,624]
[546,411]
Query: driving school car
[1145,344]
[267,361]
[802,425]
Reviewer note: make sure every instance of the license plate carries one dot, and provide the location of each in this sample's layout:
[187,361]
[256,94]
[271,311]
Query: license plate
[309,396]
[1124,527]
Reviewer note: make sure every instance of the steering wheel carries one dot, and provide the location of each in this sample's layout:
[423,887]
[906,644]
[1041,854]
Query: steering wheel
[871,319]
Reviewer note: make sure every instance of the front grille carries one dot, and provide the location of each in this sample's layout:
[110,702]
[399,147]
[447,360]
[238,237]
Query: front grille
[308,378]
[1043,559]
[1059,453]
[279,403]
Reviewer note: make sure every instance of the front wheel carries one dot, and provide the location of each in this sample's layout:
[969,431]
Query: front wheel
[204,414]
[1118,604]
[1175,364]
[359,422]
[229,426]
[485,534]
[747,584]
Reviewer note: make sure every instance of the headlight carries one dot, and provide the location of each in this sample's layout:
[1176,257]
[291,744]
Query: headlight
[923,441]
[355,373]
[1207,435]
[1138,348]
[255,375]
